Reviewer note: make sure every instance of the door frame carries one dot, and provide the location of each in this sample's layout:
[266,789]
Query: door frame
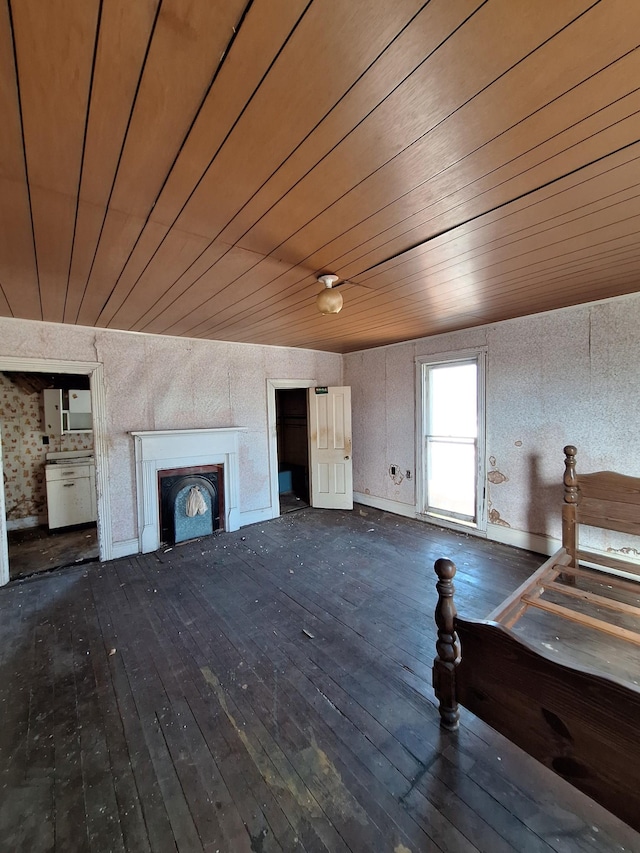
[272,432]
[479,354]
[95,372]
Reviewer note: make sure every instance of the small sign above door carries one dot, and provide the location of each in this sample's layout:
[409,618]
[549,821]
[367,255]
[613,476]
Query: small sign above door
[321,389]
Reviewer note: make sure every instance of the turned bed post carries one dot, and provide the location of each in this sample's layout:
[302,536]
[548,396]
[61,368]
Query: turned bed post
[447,647]
[570,507]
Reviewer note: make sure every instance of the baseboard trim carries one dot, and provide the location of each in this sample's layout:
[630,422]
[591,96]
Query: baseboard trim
[406,510]
[522,539]
[255,516]
[125,549]
[23,523]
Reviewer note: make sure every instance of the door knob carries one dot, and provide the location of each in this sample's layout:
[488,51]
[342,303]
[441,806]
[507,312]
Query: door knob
[346,457]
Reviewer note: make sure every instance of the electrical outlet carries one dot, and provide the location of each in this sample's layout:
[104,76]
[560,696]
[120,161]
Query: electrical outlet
[392,470]
[408,475]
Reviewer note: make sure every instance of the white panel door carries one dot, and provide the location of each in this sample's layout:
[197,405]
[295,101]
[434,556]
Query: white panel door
[330,463]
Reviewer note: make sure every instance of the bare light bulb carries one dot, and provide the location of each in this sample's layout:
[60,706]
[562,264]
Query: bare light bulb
[329,301]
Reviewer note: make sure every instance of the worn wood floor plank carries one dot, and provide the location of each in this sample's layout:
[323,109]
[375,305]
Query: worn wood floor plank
[266,691]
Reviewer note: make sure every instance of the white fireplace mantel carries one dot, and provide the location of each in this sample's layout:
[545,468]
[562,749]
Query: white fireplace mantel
[157,450]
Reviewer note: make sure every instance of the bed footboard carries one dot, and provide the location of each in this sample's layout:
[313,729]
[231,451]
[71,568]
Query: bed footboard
[579,724]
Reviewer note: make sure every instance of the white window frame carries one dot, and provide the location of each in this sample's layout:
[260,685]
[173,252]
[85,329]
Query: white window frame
[479,355]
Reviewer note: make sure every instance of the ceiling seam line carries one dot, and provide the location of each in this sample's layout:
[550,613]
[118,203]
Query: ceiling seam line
[541,201]
[84,149]
[445,231]
[201,178]
[24,157]
[534,50]
[221,231]
[457,162]
[518,197]
[122,147]
[197,112]
[362,120]
[328,113]
[422,136]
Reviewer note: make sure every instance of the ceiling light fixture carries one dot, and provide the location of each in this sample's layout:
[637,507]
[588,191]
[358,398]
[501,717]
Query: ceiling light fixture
[328,300]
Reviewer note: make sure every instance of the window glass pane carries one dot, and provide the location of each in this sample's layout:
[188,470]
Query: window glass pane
[451,481]
[453,405]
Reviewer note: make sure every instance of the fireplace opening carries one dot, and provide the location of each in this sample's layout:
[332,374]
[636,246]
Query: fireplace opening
[191,502]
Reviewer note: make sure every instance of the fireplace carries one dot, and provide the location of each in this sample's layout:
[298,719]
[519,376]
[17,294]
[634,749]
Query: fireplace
[190,502]
[163,454]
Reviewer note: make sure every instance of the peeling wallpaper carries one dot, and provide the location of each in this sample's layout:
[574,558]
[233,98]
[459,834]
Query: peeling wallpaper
[21,420]
[564,377]
[159,382]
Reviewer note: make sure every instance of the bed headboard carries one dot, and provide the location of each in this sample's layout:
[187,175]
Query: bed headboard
[603,499]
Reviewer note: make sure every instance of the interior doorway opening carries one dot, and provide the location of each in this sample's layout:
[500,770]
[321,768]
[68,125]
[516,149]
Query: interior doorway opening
[75,415]
[292,435]
[50,506]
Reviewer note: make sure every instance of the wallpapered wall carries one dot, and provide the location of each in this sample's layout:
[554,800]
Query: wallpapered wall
[21,419]
[564,377]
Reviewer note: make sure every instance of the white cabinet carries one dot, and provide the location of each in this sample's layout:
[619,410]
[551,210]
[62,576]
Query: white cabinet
[71,493]
[67,411]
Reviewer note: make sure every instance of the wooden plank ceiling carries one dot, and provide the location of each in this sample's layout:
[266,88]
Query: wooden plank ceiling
[189,167]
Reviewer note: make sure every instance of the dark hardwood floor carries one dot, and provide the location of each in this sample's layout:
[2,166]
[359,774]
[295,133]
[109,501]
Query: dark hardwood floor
[265,690]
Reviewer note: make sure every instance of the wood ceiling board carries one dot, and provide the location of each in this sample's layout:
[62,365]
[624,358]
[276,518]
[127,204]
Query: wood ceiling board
[574,237]
[529,279]
[54,48]
[5,308]
[473,244]
[591,290]
[434,23]
[483,175]
[436,90]
[466,146]
[17,252]
[53,223]
[17,257]
[218,288]
[274,123]
[199,267]
[139,287]
[125,29]
[258,293]
[260,36]
[119,234]
[265,28]
[185,52]
[427,276]
[454,247]
[188,42]
[123,38]
[89,222]
[182,297]
[627,162]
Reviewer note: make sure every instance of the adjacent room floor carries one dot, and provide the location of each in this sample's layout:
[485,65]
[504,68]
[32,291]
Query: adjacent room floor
[37,549]
[266,690]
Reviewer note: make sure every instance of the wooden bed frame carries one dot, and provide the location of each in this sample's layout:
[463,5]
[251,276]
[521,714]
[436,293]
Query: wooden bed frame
[583,725]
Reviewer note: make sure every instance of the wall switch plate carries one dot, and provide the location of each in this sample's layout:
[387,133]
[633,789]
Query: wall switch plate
[45,439]
[408,475]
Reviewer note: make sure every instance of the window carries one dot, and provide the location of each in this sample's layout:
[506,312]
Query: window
[452,439]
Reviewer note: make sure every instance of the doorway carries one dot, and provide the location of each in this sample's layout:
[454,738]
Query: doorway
[292,448]
[452,446]
[92,375]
